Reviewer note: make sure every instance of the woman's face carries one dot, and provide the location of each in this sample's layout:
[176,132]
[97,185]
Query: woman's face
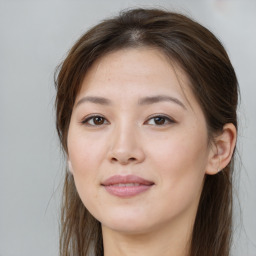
[137,143]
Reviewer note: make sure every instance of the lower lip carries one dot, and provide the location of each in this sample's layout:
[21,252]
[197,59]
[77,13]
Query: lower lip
[128,191]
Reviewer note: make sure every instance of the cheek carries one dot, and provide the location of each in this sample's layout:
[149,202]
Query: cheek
[84,155]
[180,162]
[178,150]
[85,152]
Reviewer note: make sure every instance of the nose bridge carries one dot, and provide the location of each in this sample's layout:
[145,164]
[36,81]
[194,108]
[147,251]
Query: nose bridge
[126,142]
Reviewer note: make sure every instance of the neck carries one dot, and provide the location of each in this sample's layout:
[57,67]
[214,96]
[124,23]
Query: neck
[167,241]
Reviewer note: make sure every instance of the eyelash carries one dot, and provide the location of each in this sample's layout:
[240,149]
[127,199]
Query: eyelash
[167,120]
[162,117]
[86,120]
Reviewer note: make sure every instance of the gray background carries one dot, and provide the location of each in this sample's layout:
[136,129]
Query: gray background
[34,38]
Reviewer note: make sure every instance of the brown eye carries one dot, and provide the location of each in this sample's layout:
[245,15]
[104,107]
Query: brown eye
[98,120]
[95,121]
[160,121]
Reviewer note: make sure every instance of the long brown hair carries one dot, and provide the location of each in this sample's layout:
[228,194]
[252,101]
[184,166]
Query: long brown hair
[212,78]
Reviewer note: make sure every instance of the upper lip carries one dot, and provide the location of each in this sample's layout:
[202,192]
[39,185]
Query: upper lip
[119,179]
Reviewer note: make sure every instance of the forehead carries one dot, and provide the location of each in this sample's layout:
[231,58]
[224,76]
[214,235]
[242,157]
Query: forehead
[136,71]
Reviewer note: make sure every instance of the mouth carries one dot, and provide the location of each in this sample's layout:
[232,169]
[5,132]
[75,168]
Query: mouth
[126,186]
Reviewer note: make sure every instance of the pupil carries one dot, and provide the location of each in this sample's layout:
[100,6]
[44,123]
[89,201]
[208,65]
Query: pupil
[159,120]
[98,120]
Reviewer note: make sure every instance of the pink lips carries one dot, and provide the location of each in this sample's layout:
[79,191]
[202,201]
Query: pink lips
[126,186]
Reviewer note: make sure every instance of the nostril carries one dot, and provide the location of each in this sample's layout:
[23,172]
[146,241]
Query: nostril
[123,160]
[126,156]
[114,159]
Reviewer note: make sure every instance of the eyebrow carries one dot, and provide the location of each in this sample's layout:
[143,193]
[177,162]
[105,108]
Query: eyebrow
[160,98]
[143,101]
[94,99]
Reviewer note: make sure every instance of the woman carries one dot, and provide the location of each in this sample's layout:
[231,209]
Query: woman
[146,114]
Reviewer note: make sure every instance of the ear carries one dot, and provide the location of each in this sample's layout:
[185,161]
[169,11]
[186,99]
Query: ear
[222,149]
[70,168]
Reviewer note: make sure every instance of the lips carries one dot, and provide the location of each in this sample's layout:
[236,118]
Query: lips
[126,186]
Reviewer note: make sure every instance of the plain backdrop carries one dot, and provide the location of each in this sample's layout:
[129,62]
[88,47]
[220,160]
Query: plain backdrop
[34,38]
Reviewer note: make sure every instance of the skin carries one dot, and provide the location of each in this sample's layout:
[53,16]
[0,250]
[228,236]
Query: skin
[173,152]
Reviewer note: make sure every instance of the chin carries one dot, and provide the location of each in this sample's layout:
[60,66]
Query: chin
[126,223]
[128,228]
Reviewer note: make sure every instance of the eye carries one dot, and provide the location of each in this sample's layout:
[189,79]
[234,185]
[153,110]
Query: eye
[95,121]
[160,120]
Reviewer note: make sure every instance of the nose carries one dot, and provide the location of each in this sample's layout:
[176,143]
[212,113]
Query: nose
[126,146]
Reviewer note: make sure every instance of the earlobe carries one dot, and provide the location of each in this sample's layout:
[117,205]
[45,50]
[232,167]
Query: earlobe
[222,149]
[70,168]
